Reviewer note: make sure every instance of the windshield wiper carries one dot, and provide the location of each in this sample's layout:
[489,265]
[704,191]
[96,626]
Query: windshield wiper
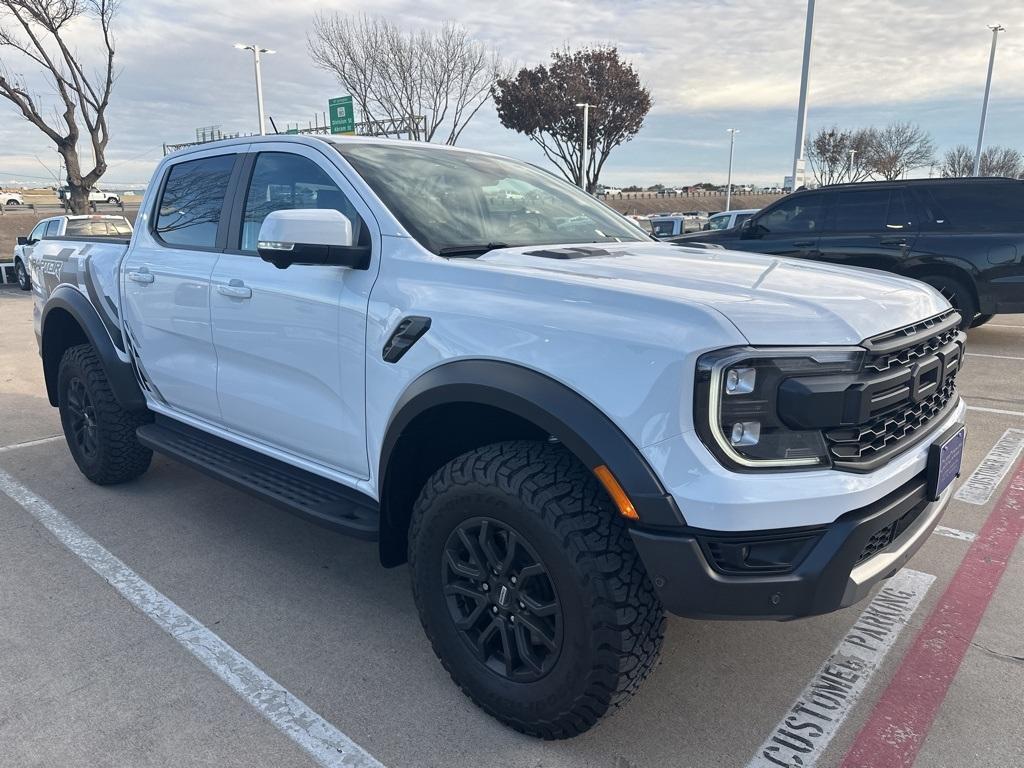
[470,250]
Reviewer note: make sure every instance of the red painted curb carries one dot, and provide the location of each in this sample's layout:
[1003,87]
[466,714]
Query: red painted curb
[901,719]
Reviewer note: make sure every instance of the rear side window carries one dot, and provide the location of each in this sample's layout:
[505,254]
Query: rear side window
[987,207]
[664,228]
[862,210]
[192,200]
[97,228]
[52,228]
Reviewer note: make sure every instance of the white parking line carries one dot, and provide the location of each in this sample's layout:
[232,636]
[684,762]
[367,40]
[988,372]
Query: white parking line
[997,357]
[994,410]
[955,533]
[30,443]
[328,746]
[809,725]
[998,325]
[979,487]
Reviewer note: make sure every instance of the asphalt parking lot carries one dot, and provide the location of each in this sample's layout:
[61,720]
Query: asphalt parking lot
[90,679]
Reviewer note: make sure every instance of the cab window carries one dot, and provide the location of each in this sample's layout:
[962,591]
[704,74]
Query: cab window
[37,233]
[52,228]
[192,199]
[283,181]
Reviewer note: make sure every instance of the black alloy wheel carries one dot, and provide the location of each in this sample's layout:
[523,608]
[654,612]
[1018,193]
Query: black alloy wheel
[502,600]
[82,419]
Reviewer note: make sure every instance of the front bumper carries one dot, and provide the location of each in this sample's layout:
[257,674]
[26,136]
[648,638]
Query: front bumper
[838,569]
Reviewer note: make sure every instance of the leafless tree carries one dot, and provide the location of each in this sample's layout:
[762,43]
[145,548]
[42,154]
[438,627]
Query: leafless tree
[397,75]
[837,156]
[36,33]
[899,148]
[958,162]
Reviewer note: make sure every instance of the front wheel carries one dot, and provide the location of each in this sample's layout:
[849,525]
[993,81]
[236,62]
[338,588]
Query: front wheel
[112,200]
[530,589]
[100,433]
[958,294]
[24,281]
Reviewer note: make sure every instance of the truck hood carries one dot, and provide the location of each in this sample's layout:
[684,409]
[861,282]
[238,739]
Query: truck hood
[770,300]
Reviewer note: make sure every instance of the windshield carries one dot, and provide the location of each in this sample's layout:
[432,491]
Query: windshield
[451,200]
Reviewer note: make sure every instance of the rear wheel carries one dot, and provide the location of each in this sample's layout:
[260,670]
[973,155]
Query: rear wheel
[981,320]
[100,433]
[958,294]
[530,589]
[24,282]
[111,200]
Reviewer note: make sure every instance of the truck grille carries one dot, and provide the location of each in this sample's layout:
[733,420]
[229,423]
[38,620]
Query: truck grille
[902,411]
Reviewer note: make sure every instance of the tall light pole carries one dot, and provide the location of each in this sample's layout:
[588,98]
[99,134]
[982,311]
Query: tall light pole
[728,183]
[801,114]
[585,154]
[853,153]
[996,29]
[256,51]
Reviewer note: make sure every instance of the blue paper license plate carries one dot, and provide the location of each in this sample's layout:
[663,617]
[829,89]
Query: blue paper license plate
[944,460]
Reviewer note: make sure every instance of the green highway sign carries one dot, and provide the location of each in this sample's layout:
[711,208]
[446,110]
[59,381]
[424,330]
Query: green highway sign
[342,115]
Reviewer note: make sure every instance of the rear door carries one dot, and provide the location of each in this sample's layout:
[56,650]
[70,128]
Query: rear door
[873,227]
[788,228]
[290,342]
[166,280]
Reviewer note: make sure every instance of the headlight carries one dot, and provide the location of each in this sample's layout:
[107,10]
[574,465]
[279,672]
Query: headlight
[736,404]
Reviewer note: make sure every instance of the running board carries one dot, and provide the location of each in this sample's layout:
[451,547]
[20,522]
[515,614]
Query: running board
[296,490]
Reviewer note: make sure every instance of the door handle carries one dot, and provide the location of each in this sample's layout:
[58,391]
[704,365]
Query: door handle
[804,244]
[142,276]
[900,241]
[236,289]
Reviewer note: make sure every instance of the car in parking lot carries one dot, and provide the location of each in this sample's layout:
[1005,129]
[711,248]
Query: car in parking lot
[564,427]
[11,198]
[964,237]
[95,196]
[728,219]
[88,225]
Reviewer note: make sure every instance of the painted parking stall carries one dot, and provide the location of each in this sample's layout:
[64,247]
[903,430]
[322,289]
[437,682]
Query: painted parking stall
[816,716]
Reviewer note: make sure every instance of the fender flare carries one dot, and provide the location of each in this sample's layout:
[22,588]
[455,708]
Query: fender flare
[553,407]
[120,374]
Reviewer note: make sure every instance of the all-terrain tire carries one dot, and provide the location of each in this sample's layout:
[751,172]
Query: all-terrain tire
[612,621]
[958,294]
[99,432]
[24,281]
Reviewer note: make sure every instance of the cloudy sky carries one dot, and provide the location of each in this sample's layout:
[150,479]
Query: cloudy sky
[709,66]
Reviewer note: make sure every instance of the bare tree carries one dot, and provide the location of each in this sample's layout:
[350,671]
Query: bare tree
[37,33]
[899,148]
[958,162]
[541,103]
[840,155]
[395,75]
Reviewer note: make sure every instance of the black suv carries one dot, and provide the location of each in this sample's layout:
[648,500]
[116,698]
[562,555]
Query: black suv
[965,237]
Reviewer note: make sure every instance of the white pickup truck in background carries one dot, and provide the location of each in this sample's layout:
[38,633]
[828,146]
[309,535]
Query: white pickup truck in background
[87,225]
[564,427]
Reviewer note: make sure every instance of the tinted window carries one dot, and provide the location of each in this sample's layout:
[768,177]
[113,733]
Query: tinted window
[282,181]
[53,228]
[664,228]
[798,214]
[741,217]
[862,210]
[968,207]
[192,200]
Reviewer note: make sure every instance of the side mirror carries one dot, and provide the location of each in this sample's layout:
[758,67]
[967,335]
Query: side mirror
[706,228]
[310,236]
[22,240]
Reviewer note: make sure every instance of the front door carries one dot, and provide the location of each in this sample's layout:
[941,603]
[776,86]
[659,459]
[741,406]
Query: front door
[789,228]
[291,342]
[166,284]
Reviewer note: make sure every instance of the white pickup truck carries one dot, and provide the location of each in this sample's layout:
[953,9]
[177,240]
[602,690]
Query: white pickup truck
[564,427]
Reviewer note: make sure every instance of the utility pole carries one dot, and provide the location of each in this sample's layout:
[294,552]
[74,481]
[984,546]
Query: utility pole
[256,51]
[996,29]
[728,183]
[585,153]
[801,114]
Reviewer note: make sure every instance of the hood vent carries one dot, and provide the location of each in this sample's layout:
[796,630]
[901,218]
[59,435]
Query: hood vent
[570,253]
